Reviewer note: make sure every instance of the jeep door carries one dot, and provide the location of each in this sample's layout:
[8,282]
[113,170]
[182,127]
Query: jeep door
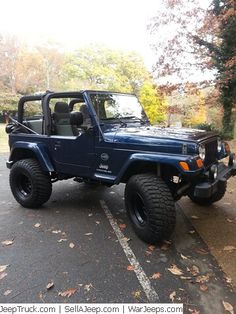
[72,140]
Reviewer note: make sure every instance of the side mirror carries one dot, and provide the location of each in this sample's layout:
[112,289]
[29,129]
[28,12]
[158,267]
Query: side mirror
[76,118]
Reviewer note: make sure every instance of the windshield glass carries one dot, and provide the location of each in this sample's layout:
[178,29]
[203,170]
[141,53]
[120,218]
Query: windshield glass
[110,106]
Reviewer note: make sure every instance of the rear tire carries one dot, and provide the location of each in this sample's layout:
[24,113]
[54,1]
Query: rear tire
[150,207]
[30,186]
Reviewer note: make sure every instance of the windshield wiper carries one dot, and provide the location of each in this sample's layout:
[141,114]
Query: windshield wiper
[142,121]
[117,117]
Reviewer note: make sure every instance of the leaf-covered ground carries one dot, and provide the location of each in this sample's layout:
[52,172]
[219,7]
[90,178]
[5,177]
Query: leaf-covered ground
[68,252]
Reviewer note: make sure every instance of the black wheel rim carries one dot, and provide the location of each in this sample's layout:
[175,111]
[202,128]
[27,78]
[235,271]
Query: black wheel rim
[24,185]
[139,209]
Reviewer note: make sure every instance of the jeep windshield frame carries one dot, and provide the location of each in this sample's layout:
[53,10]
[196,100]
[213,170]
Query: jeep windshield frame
[111,107]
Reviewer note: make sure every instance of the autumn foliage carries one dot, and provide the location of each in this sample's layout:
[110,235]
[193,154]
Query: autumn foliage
[200,42]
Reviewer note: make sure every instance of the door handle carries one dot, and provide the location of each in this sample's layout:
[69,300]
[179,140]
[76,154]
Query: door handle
[57,145]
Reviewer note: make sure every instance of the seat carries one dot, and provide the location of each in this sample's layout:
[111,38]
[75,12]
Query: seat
[61,117]
[86,118]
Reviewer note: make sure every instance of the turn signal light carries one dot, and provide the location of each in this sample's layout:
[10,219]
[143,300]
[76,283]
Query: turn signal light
[199,163]
[184,165]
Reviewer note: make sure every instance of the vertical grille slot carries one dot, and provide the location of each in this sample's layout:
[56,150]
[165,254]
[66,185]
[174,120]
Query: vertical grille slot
[211,153]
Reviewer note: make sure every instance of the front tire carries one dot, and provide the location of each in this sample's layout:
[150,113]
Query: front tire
[150,207]
[30,186]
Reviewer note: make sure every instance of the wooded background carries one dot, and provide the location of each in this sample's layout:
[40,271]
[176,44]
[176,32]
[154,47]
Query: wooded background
[193,80]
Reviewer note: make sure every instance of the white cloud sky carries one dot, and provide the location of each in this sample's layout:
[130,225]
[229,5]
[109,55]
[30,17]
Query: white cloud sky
[118,24]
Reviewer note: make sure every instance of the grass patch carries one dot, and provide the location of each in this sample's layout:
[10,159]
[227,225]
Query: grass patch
[4,148]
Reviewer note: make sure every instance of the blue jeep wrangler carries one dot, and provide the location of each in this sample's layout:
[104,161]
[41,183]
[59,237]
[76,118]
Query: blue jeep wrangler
[106,138]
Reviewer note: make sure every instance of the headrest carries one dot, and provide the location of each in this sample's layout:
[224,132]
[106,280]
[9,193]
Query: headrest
[76,118]
[61,107]
[84,109]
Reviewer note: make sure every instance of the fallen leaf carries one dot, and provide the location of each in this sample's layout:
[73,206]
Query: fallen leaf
[172,296]
[88,287]
[71,245]
[68,293]
[194,270]
[185,278]
[202,279]
[137,294]
[228,279]
[90,215]
[130,267]
[41,296]
[127,239]
[228,307]
[61,240]
[194,311]
[201,251]
[151,247]
[122,226]
[56,231]
[183,256]
[37,225]
[7,292]
[203,287]
[229,220]
[88,234]
[229,248]
[194,217]
[50,285]
[7,242]
[165,246]
[97,222]
[2,275]
[191,231]
[3,267]
[156,276]
[175,270]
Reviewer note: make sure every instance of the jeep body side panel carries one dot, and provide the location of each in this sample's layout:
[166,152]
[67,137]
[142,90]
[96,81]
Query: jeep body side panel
[105,171]
[114,159]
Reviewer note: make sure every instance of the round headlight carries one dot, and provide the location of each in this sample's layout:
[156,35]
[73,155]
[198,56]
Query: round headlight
[219,145]
[202,151]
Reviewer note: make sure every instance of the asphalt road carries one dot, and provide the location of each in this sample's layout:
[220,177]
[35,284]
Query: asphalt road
[82,240]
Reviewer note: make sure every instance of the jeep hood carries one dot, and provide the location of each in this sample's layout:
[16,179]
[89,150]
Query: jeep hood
[152,134]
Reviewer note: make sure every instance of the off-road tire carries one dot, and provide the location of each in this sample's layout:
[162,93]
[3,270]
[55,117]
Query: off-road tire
[150,207]
[30,186]
[208,201]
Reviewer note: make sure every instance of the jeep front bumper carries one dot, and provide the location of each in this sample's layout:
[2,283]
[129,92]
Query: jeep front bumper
[207,189]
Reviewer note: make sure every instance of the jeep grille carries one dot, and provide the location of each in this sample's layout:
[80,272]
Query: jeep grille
[211,153]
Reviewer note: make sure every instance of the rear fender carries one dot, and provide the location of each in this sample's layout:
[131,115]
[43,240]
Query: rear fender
[21,150]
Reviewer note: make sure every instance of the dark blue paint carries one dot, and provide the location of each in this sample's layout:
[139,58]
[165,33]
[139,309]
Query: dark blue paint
[38,148]
[82,155]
